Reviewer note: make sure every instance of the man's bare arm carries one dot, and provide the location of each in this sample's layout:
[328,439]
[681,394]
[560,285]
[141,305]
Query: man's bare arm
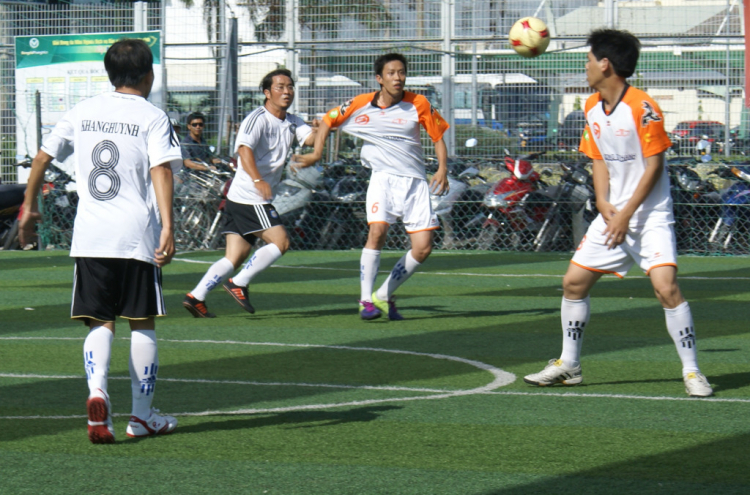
[31,214]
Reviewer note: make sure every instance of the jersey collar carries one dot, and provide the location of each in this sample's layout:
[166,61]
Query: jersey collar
[622,95]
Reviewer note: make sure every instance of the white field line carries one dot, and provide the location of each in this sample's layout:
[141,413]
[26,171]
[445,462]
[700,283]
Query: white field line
[462,274]
[501,378]
[238,382]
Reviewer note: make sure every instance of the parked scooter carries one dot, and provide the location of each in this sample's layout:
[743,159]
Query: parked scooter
[730,232]
[516,207]
[696,205]
[573,202]
[11,200]
[335,218]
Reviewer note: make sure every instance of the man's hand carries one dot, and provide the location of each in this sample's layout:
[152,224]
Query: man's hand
[26,224]
[165,251]
[264,189]
[607,210]
[439,182]
[303,161]
[617,229]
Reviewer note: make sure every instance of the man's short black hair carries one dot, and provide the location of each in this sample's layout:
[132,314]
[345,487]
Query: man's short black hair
[196,115]
[267,81]
[619,47]
[127,62]
[388,57]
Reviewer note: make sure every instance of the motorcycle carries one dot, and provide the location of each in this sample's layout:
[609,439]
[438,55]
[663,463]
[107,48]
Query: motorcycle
[335,218]
[58,210]
[573,195]
[292,196]
[696,205]
[460,210]
[11,200]
[516,206]
[732,227]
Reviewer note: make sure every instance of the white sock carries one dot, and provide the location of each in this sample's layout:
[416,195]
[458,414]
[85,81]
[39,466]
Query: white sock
[680,328]
[215,275]
[144,364]
[259,261]
[401,272]
[574,315]
[97,352]
[369,263]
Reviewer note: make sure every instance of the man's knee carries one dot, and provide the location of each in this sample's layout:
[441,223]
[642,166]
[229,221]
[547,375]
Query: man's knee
[421,253]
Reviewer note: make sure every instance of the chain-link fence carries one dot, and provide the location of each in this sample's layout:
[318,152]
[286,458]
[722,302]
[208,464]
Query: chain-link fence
[216,52]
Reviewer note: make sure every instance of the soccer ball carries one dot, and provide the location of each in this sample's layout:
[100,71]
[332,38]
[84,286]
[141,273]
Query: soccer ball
[529,37]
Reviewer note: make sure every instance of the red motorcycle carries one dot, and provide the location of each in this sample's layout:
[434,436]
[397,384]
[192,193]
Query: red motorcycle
[516,207]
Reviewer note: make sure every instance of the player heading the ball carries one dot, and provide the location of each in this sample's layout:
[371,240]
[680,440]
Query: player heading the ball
[625,138]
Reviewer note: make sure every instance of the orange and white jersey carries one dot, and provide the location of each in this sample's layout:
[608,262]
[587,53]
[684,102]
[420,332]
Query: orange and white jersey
[391,135]
[624,138]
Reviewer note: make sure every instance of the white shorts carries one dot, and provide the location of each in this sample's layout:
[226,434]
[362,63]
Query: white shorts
[651,246]
[392,196]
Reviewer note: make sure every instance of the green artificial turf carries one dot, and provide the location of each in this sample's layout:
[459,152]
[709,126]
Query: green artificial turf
[305,398]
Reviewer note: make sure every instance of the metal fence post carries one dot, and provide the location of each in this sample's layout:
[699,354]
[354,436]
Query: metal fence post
[446,23]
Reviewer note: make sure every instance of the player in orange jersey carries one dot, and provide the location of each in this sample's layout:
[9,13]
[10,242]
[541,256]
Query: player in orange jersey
[389,121]
[625,138]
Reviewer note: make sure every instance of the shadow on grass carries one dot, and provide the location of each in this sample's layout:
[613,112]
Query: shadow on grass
[292,419]
[709,468]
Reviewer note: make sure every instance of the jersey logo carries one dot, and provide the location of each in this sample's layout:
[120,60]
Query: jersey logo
[362,120]
[333,113]
[622,132]
[293,128]
[597,130]
[649,114]
[399,121]
[345,107]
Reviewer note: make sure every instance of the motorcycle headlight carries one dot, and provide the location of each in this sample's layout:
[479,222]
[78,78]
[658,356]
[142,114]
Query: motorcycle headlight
[580,176]
[50,175]
[285,190]
[497,200]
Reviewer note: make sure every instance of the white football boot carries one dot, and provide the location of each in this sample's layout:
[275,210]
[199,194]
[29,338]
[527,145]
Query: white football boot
[555,372]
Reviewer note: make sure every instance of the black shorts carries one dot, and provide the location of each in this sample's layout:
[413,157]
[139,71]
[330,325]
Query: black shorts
[247,219]
[104,288]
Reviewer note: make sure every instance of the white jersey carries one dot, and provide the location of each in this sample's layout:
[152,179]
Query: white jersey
[391,135]
[116,139]
[270,138]
[624,138]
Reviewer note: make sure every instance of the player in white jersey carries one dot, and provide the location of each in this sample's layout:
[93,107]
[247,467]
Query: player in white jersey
[263,143]
[389,122]
[625,138]
[125,153]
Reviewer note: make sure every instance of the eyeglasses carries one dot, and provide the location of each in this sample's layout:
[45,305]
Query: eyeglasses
[197,124]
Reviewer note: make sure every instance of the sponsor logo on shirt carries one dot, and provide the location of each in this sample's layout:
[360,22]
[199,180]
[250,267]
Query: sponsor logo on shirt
[345,106]
[619,158]
[333,113]
[399,121]
[622,132]
[586,135]
[649,114]
[597,129]
[362,120]
[110,127]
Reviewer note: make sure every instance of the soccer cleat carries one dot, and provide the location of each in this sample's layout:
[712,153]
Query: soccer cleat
[387,307]
[100,418]
[197,308]
[555,372]
[154,425]
[696,385]
[367,311]
[239,294]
